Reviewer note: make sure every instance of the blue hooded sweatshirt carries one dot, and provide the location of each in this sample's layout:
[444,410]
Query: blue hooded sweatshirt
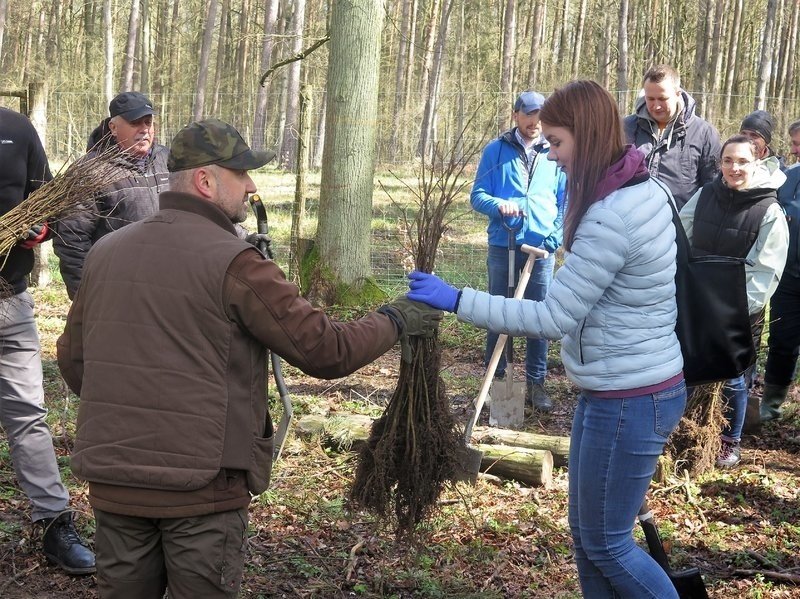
[540,191]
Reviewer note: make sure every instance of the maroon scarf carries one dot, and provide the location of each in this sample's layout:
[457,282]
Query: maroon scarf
[630,166]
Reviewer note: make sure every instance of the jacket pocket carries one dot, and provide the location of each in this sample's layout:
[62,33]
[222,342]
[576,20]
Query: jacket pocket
[260,469]
[580,341]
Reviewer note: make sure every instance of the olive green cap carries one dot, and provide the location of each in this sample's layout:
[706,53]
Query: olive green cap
[212,141]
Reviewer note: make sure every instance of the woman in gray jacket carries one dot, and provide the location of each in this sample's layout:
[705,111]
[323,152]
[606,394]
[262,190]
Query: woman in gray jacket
[613,306]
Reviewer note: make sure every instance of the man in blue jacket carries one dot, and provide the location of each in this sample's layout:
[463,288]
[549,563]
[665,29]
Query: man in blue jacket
[784,330]
[515,182]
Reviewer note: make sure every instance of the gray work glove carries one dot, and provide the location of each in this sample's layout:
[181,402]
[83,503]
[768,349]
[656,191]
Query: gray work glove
[413,319]
[262,241]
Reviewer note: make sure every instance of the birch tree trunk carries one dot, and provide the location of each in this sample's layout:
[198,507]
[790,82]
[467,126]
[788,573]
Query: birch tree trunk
[348,162]
[3,13]
[790,68]
[260,117]
[108,40]
[126,77]
[765,64]
[205,55]
[622,61]
[428,133]
[713,103]
[144,49]
[288,157]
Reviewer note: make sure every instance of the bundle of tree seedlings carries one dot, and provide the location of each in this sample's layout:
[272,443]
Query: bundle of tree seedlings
[695,444]
[412,449]
[71,189]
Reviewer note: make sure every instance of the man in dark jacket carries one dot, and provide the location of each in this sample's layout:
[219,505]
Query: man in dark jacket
[166,345]
[681,148]
[784,308]
[128,200]
[22,411]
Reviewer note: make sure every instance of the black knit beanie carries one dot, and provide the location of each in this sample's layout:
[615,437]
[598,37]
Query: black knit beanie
[761,122]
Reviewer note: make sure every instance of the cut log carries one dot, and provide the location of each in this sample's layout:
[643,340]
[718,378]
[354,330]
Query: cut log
[530,466]
[342,432]
[558,446]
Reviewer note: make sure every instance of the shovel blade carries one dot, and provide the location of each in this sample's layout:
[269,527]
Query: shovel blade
[507,409]
[689,584]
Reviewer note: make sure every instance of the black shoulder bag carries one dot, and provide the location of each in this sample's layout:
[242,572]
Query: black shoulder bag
[713,321]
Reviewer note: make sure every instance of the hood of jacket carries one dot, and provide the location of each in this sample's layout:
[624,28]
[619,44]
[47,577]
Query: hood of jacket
[767,174]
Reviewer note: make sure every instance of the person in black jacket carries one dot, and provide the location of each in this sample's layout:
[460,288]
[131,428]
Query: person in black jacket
[680,147]
[130,199]
[22,410]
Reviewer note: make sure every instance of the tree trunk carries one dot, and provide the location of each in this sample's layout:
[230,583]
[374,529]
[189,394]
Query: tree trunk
[712,105]
[220,70]
[243,59]
[174,49]
[126,77]
[536,42]
[604,51]
[319,145]
[301,168]
[530,466]
[622,60]
[564,37]
[507,65]
[348,163]
[733,46]
[3,13]
[765,64]
[576,54]
[260,117]
[108,40]
[428,135]
[400,71]
[558,446]
[144,78]
[288,156]
[412,46]
[429,39]
[790,68]
[205,54]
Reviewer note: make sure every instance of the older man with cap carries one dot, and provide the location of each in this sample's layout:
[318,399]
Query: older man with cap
[517,187]
[131,198]
[165,344]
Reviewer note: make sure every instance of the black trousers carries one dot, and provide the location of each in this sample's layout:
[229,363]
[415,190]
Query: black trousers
[784,333]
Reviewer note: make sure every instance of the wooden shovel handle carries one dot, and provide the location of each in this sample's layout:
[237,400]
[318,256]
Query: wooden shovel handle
[533,253]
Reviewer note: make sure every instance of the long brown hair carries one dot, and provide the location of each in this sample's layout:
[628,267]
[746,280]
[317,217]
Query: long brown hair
[591,115]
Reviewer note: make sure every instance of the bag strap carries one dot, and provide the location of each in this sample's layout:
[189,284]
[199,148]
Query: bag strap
[681,240]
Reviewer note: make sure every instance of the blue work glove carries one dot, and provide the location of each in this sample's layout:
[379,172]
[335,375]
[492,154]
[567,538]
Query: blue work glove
[430,289]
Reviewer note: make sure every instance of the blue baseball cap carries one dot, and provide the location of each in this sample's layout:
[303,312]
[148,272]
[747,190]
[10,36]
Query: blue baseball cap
[528,102]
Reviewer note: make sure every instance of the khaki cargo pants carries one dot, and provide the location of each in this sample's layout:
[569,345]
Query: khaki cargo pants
[195,558]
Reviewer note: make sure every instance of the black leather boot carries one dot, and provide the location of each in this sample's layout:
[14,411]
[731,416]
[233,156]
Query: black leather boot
[64,547]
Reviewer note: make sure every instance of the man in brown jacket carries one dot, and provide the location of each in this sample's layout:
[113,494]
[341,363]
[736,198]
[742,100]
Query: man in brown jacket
[166,344]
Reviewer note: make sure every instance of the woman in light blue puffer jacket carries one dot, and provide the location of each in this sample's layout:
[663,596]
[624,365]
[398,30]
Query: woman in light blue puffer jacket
[613,305]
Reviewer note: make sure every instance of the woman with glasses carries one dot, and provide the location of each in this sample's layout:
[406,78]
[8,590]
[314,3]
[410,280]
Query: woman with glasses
[738,215]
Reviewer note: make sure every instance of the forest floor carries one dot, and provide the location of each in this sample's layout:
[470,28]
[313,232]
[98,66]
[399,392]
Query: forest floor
[740,527]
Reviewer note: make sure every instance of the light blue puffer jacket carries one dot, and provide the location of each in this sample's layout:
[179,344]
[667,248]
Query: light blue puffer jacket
[613,300]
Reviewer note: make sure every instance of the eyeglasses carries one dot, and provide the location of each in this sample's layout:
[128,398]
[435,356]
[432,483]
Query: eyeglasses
[730,162]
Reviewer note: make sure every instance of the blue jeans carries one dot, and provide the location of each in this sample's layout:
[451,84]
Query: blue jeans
[497,266]
[735,393]
[614,449]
